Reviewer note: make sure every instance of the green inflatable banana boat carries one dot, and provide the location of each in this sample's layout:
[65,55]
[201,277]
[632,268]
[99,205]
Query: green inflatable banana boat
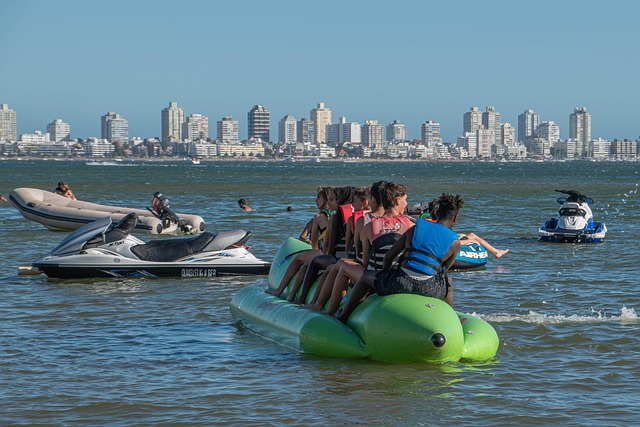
[401,328]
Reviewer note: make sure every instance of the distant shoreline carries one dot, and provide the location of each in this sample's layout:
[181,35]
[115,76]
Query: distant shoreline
[301,160]
[220,159]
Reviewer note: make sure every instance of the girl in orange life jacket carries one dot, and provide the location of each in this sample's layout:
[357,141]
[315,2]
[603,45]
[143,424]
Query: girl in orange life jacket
[316,227]
[378,236]
[429,250]
[329,275]
[340,201]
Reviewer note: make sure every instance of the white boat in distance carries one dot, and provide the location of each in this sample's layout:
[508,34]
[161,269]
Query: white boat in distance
[59,213]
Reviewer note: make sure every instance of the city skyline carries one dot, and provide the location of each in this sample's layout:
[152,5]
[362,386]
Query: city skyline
[422,62]
[176,125]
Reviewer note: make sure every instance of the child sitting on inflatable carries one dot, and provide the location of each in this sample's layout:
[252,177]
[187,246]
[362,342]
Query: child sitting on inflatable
[430,249]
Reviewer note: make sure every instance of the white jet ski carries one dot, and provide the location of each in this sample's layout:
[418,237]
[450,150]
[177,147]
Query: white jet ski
[575,222]
[101,249]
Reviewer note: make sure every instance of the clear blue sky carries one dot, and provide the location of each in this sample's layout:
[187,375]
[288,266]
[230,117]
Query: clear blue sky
[407,60]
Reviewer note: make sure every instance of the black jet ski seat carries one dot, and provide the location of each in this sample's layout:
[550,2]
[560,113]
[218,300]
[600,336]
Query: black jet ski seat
[175,249]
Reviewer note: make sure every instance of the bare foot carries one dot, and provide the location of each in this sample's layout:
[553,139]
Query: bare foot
[273,292]
[501,252]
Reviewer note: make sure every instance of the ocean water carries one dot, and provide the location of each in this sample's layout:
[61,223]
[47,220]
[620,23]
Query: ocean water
[168,352]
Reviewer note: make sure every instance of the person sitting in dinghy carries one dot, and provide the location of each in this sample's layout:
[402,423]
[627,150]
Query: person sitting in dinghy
[2,199]
[64,190]
[430,249]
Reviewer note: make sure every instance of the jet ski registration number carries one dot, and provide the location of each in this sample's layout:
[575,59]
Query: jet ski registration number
[198,272]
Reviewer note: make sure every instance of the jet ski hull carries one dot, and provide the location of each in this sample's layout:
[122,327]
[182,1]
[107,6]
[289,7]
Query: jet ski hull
[550,233]
[77,268]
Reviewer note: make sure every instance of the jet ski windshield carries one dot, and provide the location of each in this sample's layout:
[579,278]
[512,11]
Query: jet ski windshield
[122,229]
[76,240]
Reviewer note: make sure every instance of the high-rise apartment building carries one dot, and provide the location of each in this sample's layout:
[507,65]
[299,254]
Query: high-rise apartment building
[306,131]
[469,142]
[8,127]
[114,127]
[580,130]
[321,117]
[258,123]
[491,119]
[373,135]
[173,119]
[472,120]
[527,124]
[287,130]
[344,131]
[196,127]
[507,135]
[351,132]
[485,138]
[227,130]
[59,131]
[550,131]
[396,131]
[430,133]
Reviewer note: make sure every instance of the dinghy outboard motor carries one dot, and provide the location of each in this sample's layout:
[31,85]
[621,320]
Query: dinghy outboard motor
[161,208]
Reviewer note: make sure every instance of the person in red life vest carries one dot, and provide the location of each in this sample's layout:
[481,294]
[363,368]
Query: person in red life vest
[341,199]
[361,204]
[378,236]
[429,248]
[361,201]
[328,276]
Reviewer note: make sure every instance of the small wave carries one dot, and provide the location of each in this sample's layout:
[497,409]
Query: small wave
[626,316]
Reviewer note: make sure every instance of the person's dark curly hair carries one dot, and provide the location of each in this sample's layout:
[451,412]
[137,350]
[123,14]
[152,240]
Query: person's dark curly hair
[446,206]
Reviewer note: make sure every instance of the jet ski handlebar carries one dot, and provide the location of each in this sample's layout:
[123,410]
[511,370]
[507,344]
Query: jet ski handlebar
[574,196]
